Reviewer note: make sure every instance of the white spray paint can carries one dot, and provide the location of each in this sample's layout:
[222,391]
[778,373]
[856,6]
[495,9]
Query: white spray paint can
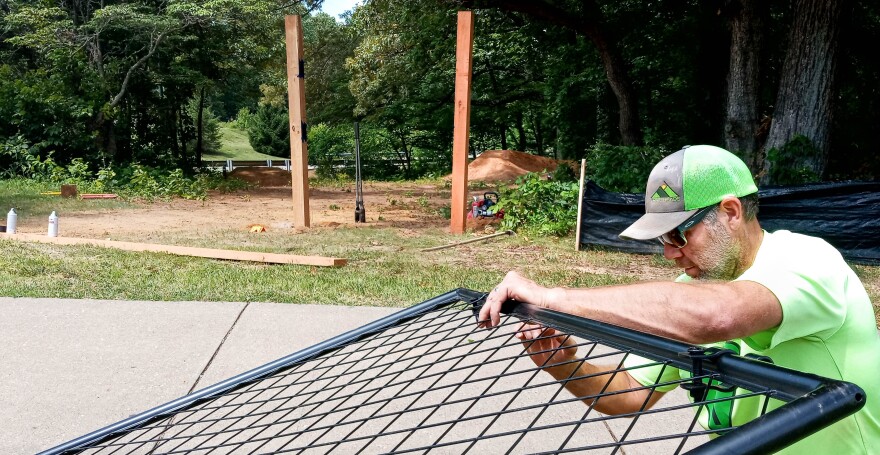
[11,221]
[53,225]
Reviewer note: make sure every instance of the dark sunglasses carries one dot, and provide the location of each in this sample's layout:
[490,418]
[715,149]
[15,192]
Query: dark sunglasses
[675,238]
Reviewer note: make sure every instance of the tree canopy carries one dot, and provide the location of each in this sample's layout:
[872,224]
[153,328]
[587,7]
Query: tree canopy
[788,86]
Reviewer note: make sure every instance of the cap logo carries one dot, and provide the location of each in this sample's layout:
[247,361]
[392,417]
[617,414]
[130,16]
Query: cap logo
[664,191]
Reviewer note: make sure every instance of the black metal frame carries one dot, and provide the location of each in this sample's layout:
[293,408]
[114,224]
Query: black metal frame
[805,394]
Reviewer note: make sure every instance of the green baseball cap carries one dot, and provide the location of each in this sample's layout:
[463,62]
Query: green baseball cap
[682,183]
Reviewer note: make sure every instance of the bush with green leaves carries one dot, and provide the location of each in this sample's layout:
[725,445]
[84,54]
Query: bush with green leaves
[19,158]
[268,130]
[622,168]
[242,120]
[539,206]
[329,146]
[142,182]
[332,149]
[135,181]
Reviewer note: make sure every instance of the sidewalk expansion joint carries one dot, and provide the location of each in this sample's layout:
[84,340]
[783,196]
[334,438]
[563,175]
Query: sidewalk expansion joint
[219,346]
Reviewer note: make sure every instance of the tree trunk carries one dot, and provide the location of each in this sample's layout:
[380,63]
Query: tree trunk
[741,119]
[503,137]
[184,136]
[172,133]
[407,158]
[200,127]
[521,132]
[590,24]
[105,137]
[539,135]
[804,100]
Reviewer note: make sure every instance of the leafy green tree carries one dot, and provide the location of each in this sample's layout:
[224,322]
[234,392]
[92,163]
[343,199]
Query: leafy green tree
[269,130]
[327,46]
[128,71]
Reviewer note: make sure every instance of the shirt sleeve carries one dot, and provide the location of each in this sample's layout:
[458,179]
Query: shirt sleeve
[648,373]
[803,275]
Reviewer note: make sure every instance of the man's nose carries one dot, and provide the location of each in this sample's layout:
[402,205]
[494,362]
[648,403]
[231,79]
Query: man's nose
[670,252]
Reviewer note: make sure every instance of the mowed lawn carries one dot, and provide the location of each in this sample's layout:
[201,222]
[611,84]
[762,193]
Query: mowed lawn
[235,146]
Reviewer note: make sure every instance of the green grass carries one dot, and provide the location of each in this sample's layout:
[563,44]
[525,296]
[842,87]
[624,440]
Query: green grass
[235,146]
[29,203]
[383,270]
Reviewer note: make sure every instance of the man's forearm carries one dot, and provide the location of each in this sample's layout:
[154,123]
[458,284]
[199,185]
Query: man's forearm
[688,312]
[598,386]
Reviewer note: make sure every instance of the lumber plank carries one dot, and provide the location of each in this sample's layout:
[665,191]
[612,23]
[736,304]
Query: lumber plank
[211,253]
[296,101]
[464,47]
[577,234]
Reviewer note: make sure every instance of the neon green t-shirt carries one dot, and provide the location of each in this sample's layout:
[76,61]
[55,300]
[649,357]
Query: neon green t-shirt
[827,329]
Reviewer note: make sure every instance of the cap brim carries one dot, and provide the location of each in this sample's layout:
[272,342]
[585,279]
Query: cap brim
[653,225]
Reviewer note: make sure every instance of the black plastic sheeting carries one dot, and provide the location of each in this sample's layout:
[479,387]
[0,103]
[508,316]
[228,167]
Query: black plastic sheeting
[846,215]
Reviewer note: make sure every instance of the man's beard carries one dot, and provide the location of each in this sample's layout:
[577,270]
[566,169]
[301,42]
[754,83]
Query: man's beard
[719,259]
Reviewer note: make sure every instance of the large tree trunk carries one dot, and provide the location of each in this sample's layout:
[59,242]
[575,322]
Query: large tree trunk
[521,132]
[539,134]
[200,129]
[589,23]
[741,119]
[804,101]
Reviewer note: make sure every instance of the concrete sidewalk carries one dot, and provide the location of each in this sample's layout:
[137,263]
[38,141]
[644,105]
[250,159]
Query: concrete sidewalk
[69,367]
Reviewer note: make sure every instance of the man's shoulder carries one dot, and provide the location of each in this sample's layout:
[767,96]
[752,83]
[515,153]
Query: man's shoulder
[797,244]
[803,254]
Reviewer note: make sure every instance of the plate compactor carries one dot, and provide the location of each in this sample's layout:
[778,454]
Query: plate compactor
[486,207]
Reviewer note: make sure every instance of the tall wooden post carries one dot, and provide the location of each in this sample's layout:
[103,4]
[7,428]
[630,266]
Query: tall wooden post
[463,66]
[580,219]
[296,101]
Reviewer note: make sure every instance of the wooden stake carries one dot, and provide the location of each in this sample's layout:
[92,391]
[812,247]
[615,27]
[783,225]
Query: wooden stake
[211,253]
[577,234]
[478,239]
[296,100]
[463,66]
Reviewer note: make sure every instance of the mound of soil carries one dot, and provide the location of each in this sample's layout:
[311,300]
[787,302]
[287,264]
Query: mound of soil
[262,176]
[507,165]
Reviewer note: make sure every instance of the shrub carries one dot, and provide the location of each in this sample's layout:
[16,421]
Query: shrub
[268,130]
[543,207]
[16,158]
[242,120]
[330,146]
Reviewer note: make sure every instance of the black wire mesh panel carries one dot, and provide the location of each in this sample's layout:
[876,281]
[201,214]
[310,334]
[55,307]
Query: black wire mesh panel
[427,380]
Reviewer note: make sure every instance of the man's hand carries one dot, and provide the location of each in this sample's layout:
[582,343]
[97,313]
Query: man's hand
[545,346]
[515,287]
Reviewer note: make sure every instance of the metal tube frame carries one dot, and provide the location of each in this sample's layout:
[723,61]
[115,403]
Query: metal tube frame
[812,402]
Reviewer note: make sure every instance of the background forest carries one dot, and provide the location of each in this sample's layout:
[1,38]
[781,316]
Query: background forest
[111,84]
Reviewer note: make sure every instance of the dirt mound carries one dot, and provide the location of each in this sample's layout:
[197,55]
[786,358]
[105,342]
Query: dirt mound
[507,165]
[262,176]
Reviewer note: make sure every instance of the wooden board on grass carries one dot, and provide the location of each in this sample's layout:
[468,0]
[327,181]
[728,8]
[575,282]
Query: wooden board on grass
[232,255]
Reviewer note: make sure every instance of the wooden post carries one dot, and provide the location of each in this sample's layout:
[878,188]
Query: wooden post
[68,191]
[296,100]
[463,66]
[577,231]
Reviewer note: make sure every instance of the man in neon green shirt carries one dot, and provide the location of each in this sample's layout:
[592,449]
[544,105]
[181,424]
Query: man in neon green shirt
[786,296]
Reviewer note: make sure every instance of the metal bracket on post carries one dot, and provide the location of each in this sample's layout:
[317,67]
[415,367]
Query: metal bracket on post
[360,212]
[304,130]
[697,388]
[302,69]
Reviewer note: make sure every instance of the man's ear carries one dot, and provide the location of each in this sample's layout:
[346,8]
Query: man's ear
[732,207]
